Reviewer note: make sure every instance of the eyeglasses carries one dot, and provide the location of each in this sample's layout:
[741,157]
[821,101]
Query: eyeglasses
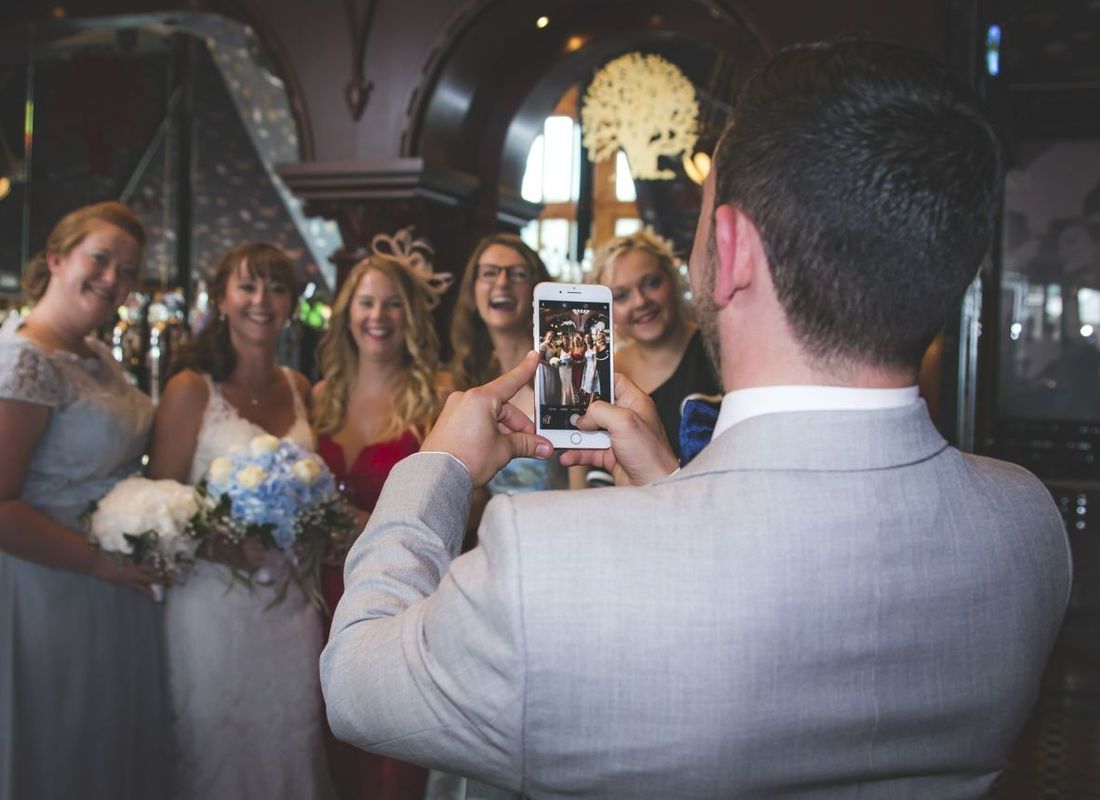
[518,273]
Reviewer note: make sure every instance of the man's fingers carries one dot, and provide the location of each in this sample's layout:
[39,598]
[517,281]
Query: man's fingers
[505,387]
[628,395]
[604,459]
[528,445]
[601,416]
[514,421]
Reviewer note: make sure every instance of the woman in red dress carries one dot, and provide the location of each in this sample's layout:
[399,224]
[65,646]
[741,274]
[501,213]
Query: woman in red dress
[576,356]
[372,408]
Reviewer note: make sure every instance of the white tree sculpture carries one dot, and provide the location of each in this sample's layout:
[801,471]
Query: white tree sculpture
[645,105]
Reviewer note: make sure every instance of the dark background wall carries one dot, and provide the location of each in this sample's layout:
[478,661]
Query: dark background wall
[450,84]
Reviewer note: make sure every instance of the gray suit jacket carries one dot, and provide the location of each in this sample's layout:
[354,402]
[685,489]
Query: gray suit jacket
[827,604]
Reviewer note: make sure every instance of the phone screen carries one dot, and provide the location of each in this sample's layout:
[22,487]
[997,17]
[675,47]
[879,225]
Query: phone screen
[574,344]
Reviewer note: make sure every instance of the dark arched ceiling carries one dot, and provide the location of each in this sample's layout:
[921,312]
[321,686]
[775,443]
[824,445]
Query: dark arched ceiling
[496,76]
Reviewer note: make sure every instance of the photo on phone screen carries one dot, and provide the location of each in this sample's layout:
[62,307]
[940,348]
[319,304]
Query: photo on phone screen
[574,344]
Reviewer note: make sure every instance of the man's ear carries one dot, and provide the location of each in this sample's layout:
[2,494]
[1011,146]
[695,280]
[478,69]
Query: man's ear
[740,252]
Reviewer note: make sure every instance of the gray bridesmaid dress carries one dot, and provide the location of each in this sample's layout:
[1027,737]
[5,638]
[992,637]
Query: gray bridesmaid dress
[83,688]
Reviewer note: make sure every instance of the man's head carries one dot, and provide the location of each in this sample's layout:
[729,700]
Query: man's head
[869,178]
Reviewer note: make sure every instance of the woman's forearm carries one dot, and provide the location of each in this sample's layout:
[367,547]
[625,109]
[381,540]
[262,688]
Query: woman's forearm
[29,534]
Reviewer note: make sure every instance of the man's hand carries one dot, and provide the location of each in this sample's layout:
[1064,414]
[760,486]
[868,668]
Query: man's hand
[639,452]
[483,430]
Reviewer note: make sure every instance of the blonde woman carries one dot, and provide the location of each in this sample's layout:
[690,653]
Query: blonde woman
[371,409]
[665,354]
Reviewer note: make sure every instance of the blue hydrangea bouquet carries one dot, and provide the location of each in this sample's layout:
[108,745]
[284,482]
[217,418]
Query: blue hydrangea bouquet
[281,495]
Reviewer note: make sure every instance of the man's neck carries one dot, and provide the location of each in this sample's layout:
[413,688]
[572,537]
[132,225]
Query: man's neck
[795,369]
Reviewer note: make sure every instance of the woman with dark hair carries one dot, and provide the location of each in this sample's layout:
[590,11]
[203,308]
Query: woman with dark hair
[603,364]
[83,699]
[242,656]
[491,326]
[491,332]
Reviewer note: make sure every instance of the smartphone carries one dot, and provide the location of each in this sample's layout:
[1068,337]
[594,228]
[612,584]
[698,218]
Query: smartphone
[574,337]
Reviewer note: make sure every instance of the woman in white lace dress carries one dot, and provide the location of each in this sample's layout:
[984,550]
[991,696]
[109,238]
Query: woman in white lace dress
[245,690]
[590,382]
[83,700]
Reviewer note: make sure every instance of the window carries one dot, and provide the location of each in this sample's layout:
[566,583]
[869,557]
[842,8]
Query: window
[547,180]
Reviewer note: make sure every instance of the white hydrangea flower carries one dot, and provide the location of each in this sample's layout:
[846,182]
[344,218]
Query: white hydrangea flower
[306,470]
[220,469]
[137,505]
[263,444]
[251,476]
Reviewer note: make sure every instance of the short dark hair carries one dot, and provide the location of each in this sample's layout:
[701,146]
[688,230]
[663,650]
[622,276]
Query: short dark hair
[873,177]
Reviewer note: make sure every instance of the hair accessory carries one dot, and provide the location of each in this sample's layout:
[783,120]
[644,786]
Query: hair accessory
[415,256]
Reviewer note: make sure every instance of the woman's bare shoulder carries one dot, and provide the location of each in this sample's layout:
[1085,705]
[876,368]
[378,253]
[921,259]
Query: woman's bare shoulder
[186,389]
[301,385]
[317,390]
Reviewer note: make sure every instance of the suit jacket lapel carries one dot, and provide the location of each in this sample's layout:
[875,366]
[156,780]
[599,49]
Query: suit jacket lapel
[822,441]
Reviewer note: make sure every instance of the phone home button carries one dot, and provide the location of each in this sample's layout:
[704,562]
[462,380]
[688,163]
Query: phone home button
[575,438]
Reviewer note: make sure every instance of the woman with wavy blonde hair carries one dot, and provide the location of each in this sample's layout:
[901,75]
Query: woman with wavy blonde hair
[371,409]
[356,352]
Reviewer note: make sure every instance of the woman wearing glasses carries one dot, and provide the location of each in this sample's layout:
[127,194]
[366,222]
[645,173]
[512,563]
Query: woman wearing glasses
[491,331]
[491,327]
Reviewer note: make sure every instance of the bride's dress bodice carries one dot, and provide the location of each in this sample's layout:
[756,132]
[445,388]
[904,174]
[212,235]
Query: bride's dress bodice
[224,430]
[246,693]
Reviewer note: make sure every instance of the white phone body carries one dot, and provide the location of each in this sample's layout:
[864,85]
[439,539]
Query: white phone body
[564,382]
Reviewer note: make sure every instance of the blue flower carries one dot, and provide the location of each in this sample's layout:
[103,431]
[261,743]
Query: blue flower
[264,490]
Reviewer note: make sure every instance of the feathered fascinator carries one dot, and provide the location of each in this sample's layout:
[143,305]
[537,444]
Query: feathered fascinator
[415,256]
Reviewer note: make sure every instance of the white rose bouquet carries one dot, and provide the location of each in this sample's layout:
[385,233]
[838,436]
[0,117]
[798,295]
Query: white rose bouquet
[281,495]
[148,521]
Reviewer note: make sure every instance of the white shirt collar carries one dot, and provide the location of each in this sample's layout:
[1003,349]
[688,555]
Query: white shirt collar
[741,404]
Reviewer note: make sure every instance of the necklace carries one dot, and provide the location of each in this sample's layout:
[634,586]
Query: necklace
[254,397]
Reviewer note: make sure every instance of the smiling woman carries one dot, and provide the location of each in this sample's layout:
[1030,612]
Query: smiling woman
[665,354]
[492,329]
[71,427]
[373,407]
[233,647]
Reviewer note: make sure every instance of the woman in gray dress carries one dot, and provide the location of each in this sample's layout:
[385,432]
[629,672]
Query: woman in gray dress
[83,702]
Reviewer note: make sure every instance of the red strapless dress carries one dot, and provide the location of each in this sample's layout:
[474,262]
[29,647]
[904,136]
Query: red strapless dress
[359,775]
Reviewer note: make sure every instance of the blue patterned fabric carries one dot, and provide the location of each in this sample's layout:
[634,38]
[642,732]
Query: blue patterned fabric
[696,426]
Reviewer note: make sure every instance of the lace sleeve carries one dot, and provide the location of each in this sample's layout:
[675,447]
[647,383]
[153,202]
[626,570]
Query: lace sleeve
[27,375]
